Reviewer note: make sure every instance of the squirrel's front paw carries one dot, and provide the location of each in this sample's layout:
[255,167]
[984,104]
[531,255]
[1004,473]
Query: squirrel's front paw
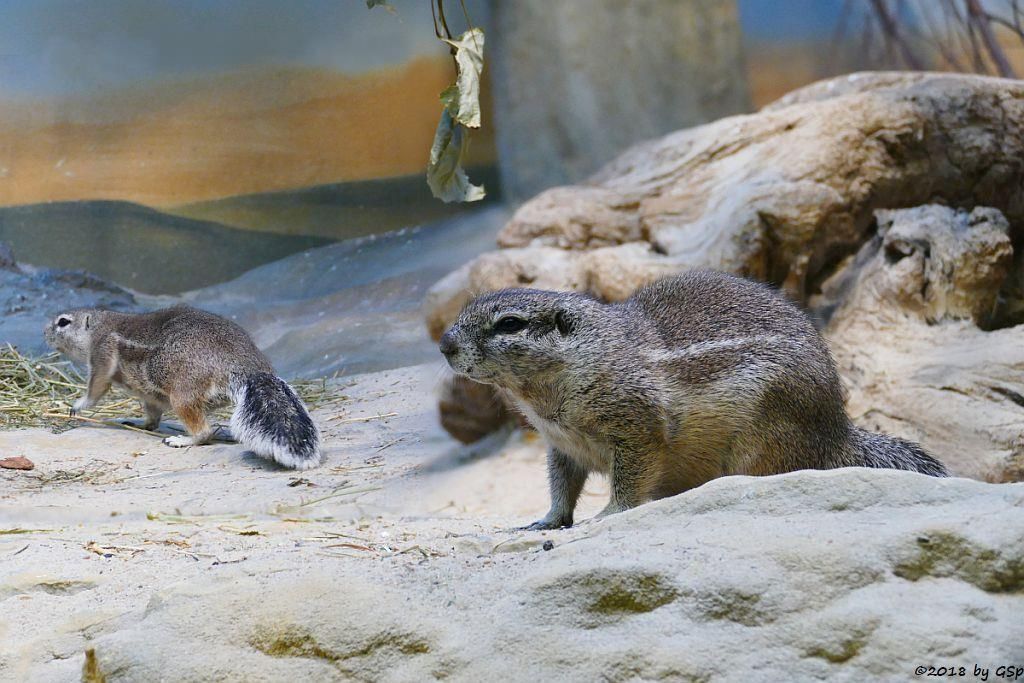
[78,406]
[178,441]
[547,523]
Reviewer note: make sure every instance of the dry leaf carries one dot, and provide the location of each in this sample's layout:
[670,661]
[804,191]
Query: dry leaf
[463,98]
[17,463]
[445,175]
[370,4]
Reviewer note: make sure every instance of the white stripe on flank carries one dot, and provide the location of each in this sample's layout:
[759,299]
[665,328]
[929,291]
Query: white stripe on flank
[714,345]
[131,343]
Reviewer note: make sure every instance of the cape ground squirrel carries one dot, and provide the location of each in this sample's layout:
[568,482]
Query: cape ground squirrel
[691,378]
[191,362]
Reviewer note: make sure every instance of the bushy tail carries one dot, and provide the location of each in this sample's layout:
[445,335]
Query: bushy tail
[879,450]
[271,421]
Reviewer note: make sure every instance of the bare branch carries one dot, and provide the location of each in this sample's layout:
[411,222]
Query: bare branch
[936,37]
[444,21]
[949,15]
[977,58]
[995,19]
[995,51]
[891,31]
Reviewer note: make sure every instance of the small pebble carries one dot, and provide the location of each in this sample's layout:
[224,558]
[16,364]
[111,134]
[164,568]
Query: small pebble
[17,463]
[548,545]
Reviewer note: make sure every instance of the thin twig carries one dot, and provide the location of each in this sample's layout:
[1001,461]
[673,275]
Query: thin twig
[386,446]
[106,423]
[891,30]
[361,419]
[980,20]
[433,13]
[344,492]
[444,22]
[469,24]
[939,40]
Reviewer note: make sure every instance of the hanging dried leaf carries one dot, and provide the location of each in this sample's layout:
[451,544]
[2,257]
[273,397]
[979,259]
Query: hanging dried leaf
[450,100]
[464,101]
[370,4]
[461,101]
[445,175]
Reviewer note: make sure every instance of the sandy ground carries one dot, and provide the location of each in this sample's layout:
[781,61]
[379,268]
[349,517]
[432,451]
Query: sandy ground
[397,561]
[110,517]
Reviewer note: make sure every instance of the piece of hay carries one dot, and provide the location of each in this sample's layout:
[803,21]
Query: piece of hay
[36,392]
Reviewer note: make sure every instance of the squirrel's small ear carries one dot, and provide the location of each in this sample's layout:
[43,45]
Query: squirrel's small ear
[564,321]
[87,322]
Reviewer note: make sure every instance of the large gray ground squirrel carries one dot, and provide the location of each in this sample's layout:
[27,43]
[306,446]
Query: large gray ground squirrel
[191,362]
[691,378]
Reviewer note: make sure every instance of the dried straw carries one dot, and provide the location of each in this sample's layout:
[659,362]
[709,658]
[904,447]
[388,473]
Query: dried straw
[37,392]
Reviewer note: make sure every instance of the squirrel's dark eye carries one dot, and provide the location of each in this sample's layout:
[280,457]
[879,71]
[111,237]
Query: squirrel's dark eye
[63,322]
[509,324]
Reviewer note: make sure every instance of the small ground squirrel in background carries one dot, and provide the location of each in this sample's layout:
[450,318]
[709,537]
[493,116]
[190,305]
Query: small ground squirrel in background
[191,362]
[691,378]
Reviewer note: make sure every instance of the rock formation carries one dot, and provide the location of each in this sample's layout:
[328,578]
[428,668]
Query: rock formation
[29,296]
[851,575]
[915,341]
[791,195]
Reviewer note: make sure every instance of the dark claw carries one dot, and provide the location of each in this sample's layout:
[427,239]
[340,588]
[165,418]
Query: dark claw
[544,525]
[72,412]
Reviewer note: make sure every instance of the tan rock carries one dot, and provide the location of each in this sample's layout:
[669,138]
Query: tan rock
[785,193]
[469,411]
[613,273]
[539,267]
[445,299]
[574,218]
[850,575]
[908,342]
[846,85]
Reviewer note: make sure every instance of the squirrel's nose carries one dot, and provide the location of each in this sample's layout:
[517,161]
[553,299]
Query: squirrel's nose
[448,345]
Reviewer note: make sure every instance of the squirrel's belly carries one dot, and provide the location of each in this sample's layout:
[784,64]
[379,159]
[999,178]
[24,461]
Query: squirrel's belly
[133,378]
[590,455]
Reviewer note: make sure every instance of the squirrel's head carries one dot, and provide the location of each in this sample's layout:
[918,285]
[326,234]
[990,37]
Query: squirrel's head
[512,336]
[70,333]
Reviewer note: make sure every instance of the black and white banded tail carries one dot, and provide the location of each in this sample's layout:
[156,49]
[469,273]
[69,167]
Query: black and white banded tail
[881,450]
[271,421]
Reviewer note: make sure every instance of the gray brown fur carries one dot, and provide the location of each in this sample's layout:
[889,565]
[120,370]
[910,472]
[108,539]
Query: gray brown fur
[692,378]
[192,362]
